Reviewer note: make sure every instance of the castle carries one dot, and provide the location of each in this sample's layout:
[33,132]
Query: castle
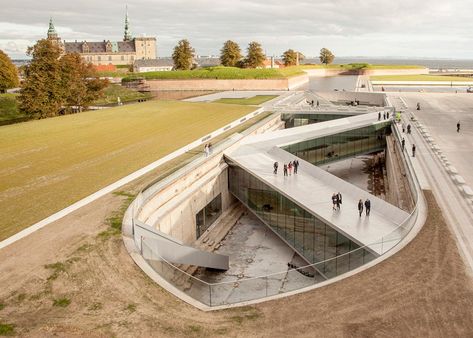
[109,52]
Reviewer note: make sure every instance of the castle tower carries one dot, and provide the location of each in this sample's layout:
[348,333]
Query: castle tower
[127,35]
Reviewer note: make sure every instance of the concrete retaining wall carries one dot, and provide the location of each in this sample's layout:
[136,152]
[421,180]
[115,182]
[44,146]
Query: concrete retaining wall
[215,84]
[365,98]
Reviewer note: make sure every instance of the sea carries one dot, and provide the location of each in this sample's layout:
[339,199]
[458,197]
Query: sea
[427,62]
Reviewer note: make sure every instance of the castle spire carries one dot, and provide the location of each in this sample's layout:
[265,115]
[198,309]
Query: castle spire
[52,34]
[127,35]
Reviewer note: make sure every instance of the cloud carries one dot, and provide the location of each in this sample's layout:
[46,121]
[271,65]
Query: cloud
[368,27]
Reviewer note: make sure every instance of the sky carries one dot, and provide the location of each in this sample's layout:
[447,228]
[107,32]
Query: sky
[371,28]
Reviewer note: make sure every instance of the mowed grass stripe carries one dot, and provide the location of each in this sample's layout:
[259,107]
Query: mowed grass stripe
[49,164]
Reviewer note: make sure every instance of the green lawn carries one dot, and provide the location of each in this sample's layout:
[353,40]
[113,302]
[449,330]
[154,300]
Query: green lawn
[425,77]
[9,108]
[255,100]
[113,91]
[221,73]
[46,165]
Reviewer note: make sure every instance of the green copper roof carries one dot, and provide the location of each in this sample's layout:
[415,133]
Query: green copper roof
[51,29]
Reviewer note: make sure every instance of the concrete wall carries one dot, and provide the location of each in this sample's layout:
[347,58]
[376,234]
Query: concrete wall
[215,84]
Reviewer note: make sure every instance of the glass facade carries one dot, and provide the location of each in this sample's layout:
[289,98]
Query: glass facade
[304,232]
[297,120]
[209,214]
[343,145]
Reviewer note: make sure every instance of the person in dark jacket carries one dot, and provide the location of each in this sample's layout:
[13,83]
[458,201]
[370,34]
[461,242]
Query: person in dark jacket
[339,200]
[285,169]
[413,150]
[368,206]
[360,206]
[334,201]
[458,126]
[295,164]
[403,144]
[275,167]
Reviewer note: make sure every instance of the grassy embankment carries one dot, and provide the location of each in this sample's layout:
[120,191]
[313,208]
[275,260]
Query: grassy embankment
[255,100]
[113,91]
[220,73]
[46,165]
[425,77]
[360,66]
[9,111]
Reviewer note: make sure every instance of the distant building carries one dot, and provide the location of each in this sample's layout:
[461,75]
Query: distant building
[272,63]
[156,65]
[106,52]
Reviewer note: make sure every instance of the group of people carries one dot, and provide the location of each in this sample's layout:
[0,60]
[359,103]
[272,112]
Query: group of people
[208,149]
[367,205]
[287,168]
[336,201]
[385,116]
[312,103]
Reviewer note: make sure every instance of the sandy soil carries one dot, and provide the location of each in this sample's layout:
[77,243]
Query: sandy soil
[423,291]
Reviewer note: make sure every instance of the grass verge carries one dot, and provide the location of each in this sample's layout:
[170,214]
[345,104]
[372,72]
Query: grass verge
[255,100]
[113,91]
[220,73]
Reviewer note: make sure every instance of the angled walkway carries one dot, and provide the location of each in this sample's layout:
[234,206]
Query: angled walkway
[312,187]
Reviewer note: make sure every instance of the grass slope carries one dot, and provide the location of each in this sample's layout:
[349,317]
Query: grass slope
[46,165]
[9,108]
[421,78]
[359,66]
[126,95]
[221,73]
[255,100]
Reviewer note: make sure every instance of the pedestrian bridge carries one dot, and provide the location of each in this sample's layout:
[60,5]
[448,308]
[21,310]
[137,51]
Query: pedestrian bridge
[299,207]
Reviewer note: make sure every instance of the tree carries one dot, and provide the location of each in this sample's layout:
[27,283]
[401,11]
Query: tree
[8,73]
[42,92]
[230,54]
[326,56]
[255,56]
[183,55]
[291,57]
[82,82]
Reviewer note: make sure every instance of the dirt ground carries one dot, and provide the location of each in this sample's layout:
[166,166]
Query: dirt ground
[423,291]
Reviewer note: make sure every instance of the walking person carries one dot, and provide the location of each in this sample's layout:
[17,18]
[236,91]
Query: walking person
[403,127]
[318,104]
[384,116]
[409,128]
[285,169]
[403,144]
[458,126]
[296,166]
[334,201]
[339,200]
[387,115]
[289,167]
[360,206]
[413,150]
[368,206]
[206,150]
[379,116]
[275,166]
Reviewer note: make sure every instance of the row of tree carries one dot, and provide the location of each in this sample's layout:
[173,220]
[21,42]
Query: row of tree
[56,84]
[231,56]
